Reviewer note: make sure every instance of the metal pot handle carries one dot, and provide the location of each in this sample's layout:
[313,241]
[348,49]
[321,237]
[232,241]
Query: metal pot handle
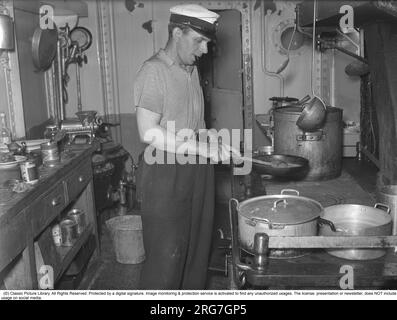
[289,190]
[381,205]
[277,202]
[322,221]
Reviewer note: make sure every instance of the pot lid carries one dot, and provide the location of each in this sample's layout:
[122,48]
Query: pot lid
[283,99]
[281,209]
[44,47]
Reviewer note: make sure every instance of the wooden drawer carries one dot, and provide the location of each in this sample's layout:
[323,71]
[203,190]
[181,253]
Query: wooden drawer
[44,210]
[76,182]
[12,239]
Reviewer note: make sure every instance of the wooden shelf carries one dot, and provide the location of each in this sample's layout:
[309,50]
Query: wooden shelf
[26,221]
[67,254]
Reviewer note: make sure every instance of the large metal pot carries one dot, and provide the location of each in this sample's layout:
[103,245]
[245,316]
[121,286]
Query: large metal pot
[357,220]
[388,195]
[323,148]
[277,215]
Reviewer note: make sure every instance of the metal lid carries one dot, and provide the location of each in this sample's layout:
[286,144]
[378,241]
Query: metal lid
[298,110]
[281,209]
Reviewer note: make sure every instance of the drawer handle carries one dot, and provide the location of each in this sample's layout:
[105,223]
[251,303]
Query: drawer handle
[81,179]
[56,201]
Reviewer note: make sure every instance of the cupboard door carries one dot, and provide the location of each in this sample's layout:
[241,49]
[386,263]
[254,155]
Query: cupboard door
[76,182]
[46,209]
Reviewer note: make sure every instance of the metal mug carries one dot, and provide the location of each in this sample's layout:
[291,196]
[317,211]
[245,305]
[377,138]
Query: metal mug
[69,232]
[78,216]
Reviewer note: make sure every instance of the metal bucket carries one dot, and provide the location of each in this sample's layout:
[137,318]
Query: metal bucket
[127,236]
[388,195]
[323,148]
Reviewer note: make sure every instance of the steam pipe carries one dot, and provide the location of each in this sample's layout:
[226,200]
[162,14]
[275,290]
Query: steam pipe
[60,81]
[264,56]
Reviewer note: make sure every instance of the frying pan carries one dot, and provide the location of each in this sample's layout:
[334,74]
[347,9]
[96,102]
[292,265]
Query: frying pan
[44,47]
[298,165]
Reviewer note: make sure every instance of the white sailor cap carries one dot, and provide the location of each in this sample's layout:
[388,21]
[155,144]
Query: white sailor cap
[198,18]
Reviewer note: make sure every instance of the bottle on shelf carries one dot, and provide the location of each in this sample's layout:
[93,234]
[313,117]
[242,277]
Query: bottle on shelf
[5,133]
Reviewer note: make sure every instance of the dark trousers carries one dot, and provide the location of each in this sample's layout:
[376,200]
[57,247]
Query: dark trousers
[177,218]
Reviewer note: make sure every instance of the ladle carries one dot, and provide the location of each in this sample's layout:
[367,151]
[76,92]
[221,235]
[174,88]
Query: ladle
[313,114]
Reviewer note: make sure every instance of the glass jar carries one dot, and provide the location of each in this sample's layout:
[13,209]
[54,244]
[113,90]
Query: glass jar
[50,132]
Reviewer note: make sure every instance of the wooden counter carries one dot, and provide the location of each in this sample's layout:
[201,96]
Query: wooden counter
[26,220]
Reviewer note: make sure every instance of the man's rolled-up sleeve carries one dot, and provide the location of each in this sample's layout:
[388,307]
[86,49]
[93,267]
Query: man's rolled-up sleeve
[148,92]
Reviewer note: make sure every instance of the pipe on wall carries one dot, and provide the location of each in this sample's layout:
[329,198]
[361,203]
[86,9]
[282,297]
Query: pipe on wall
[264,28]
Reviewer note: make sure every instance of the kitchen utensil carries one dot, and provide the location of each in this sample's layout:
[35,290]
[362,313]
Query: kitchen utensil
[388,195]
[69,232]
[50,154]
[79,217]
[313,116]
[280,165]
[44,47]
[357,220]
[276,215]
[314,112]
[322,148]
[274,162]
[357,69]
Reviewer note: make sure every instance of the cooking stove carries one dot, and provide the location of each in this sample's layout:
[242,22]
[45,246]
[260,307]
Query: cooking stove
[309,268]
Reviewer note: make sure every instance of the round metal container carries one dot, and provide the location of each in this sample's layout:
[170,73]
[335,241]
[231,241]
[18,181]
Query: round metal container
[50,154]
[69,232]
[29,172]
[388,195]
[323,148]
[78,216]
[278,215]
[357,220]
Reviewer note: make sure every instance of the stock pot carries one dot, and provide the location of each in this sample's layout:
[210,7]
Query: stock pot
[285,214]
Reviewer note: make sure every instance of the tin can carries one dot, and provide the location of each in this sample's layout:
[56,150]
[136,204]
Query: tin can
[50,154]
[29,172]
[56,235]
[79,217]
[69,232]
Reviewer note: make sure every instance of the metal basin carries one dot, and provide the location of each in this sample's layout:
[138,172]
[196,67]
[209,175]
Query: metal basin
[357,220]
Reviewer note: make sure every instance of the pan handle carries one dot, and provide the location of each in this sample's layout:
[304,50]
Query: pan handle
[381,205]
[322,221]
[277,202]
[289,190]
